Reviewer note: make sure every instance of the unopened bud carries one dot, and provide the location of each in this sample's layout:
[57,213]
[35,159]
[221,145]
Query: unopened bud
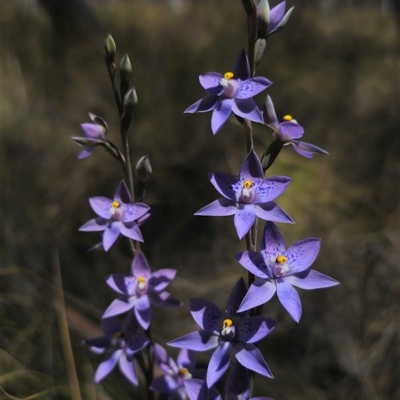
[111,48]
[125,69]
[130,102]
[143,169]
[263,17]
[259,49]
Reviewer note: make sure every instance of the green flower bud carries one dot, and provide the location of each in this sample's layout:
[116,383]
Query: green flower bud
[259,49]
[130,102]
[125,69]
[143,169]
[263,17]
[111,48]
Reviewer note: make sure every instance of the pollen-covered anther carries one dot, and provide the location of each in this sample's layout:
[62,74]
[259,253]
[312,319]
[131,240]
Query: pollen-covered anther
[118,335]
[281,266]
[287,118]
[229,75]
[247,194]
[116,210]
[185,373]
[141,284]
[281,259]
[228,329]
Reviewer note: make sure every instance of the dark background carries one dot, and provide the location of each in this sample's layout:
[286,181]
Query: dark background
[334,68]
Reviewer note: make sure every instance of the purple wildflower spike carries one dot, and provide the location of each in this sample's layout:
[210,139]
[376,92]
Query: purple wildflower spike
[247,196]
[116,216]
[232,91]
[289,131]
[175,373]
[119,345]
[141,289]
[278,270]
[233,333]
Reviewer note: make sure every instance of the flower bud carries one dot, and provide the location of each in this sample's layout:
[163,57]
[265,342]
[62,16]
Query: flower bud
[143,169]
[263,17]
[111,48]
[259,49]
[130,102]
[125,69]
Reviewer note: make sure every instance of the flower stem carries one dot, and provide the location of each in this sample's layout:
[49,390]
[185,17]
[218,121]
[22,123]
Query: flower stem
[111,73]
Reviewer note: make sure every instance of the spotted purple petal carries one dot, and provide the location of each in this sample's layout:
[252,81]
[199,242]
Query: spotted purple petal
[302,254]
[133,212]
[253,329]
[220,115]
[272,243]
[207,315]
[254,263]
[218,208]
[252,87]
[260,292]
[289,298]
[251,168]
[311,280]
[269,189]
[227,185]
[219,363]
[244,219]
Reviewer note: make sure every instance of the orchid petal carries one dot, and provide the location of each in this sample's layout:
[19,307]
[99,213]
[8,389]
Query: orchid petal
[289,298]
[227,185]
[253,329]
[107,366]
[247,108]
[250,357]
[272,212]
[244,219]
[251,168]
[111,234]
[119,306]
[205,104]
[197,341]
[241,67]
[302,254]
[140,266]
[94,225]
[128,369]
[311,280]
[269,189]
[207,315]
[218,208]
[211,81]
[132,231]
[254,263]
[133,212]
[143,311]
[160,279]
[235,298]
[101,206]
[252,87]
[272,243]
[260,292]
[218,364]
[220,115]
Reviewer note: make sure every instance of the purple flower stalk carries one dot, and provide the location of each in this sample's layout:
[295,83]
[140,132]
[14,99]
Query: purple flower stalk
[175,374]
[278,270]
[247,196]
[141,289]
[232,91]
[233,333]
[289,131]
[116,216]
[119,345]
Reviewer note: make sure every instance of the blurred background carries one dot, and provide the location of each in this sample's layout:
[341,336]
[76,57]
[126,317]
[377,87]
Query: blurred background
[334,69]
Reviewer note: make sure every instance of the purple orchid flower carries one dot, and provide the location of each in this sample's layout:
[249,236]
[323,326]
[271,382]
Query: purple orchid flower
[172,382]
[235,333]
[116,216]
[237,387]
[289,131]
[119,345]
[279,270]
[94,134]
[232,91]
[247,196]
[141,289]
[274,20]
